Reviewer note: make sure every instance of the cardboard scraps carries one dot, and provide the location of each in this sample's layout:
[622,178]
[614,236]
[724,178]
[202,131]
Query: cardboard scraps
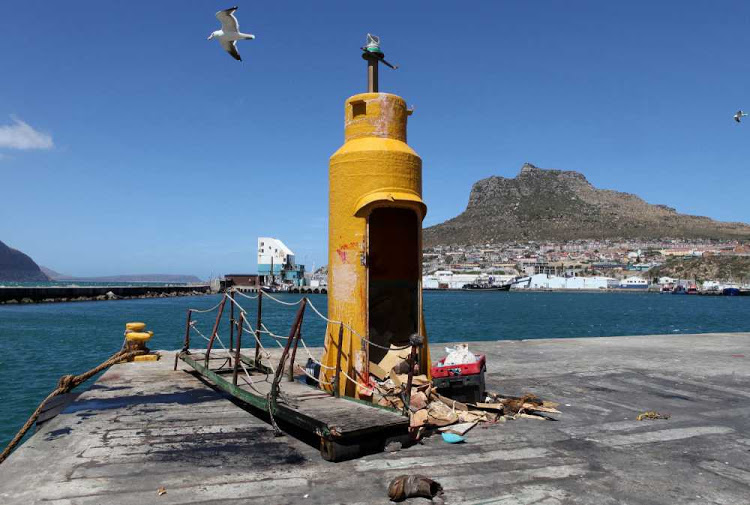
[472,416]
[418,418]
[393,357]
[440,414]
[377,371]
[418,400]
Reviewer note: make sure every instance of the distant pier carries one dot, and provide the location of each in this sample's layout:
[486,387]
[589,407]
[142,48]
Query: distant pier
[36,294]
[293,289]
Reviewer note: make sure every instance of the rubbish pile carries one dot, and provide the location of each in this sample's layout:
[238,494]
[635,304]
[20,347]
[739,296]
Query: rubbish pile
[435,404]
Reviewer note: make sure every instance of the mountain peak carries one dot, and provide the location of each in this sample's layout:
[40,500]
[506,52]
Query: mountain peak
[17,267]
[548,204]
[528,167]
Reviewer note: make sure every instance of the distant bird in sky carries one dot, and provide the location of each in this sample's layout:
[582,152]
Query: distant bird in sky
[739,116]
[230,32]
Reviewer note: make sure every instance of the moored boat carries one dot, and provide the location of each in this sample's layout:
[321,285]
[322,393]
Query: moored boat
[486,287]
[730,290]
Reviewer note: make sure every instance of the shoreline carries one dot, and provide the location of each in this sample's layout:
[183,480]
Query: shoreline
[26,295]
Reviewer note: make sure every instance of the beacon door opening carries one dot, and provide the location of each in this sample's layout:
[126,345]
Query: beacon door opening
[393,264]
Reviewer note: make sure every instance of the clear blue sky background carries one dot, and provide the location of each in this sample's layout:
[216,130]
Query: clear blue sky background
[171,157]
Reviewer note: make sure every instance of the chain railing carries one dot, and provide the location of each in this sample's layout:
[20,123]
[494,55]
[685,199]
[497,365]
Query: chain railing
[288,345]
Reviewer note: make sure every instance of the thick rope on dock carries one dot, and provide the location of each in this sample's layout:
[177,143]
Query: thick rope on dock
[64,385]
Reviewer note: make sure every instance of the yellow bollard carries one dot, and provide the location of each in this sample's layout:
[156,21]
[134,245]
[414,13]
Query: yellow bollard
[136,338]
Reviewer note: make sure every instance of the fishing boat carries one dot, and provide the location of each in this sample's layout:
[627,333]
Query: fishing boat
[730,290]
[486,287]
[679,290]
[692,289]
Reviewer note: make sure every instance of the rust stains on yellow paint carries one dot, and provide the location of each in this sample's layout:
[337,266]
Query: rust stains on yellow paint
[374,275]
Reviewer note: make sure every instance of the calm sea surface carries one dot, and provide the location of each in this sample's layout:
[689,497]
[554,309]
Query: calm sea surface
[39,343]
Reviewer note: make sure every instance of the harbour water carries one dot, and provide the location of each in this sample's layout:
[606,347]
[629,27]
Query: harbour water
[41,342]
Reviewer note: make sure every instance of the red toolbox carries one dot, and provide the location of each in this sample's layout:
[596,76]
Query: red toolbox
[464,383]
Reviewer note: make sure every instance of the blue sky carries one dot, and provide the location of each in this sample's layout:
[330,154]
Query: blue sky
[131,144]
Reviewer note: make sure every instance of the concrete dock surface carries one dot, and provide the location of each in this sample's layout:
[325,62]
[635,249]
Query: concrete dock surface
[142,427]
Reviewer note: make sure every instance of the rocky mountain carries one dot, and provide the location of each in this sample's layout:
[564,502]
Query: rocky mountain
[540,204]
[16,266]
[53,276]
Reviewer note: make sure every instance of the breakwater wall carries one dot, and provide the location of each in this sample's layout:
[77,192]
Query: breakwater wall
[34,294]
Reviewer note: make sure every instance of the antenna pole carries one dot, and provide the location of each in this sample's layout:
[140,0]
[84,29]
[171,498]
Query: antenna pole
[372,75]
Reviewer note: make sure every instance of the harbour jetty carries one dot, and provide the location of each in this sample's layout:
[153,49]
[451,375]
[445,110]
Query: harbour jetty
[36,294]
[144,428]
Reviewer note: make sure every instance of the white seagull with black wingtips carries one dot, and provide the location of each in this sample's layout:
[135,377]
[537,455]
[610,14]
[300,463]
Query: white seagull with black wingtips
[230,32]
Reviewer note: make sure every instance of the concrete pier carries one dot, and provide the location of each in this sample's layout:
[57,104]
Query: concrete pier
[143,426]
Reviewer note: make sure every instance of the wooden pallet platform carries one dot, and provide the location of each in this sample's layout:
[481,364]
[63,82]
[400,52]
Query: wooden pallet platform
[346,426]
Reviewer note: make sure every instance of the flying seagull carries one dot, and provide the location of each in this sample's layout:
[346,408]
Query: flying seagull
[230,32]
[739,115]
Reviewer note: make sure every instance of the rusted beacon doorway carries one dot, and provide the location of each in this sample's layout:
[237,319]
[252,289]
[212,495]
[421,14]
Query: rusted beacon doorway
[393,277]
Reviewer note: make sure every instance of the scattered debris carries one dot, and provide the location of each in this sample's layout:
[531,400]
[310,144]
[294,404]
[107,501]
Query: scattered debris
[459,355]
[458,429]
[411,486]
[162,490]
[651,414]
[430,408]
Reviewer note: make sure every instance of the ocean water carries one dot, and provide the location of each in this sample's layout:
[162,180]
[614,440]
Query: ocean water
[39,343]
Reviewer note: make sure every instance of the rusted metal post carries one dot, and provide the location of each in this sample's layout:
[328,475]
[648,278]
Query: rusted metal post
[337,377]
[257,328]
[416,341]
[215,329]
[231,321]
[237,350]
[186,344]
[372,75]
[280,368]
[294,351]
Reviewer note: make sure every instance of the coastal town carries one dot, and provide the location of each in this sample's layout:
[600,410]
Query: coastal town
[579,264]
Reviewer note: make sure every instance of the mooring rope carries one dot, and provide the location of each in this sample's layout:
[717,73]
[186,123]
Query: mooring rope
[363,338]
[266,295]
[208,310]
[249,297]
[64,385]
[277,338]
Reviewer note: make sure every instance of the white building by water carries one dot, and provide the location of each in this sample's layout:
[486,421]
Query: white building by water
[276,260]
[546,281]
[634,283]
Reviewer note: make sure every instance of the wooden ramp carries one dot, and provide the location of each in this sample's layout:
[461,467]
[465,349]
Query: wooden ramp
[347,427]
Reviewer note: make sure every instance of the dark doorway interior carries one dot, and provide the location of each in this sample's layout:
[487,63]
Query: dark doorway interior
[394,272]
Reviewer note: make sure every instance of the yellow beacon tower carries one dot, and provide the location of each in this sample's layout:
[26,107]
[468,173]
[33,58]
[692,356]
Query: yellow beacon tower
[374,238]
